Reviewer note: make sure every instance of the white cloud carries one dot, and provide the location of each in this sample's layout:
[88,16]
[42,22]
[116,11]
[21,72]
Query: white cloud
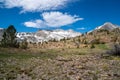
[35,5]
[53,19]
[82,28]
[35,24]
[57,19]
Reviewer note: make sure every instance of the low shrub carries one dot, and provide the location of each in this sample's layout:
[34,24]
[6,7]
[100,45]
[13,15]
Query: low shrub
[115,50]
[24,45]
[92,46]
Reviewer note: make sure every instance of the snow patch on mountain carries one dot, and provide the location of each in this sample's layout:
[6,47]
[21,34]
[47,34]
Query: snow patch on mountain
[107,26]
[45,35]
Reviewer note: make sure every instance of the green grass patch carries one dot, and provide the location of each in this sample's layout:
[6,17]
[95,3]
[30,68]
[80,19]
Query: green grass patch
[102,46]
[15,55]
[48,53]
[25,54]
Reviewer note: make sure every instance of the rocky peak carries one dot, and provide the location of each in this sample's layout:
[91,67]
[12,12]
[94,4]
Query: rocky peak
[107,26]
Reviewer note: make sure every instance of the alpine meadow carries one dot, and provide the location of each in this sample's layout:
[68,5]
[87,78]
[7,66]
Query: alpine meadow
[59,40]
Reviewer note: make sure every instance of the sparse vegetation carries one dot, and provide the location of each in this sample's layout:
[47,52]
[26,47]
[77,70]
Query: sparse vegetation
[56,64]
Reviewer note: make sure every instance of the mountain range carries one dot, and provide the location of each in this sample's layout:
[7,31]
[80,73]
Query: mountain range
[46,35]
[58,34]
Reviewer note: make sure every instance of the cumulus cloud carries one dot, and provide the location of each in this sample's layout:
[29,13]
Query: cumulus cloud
[57,19]
[35,5]
[35,24]
[53,19]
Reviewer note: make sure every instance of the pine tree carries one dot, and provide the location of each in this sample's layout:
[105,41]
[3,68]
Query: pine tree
[9,37]
[4,40]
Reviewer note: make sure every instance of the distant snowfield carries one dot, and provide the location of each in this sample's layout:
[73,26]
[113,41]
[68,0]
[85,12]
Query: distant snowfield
[45,35]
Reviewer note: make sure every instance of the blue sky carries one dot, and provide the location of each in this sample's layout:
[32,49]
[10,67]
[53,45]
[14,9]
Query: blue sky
[79,15]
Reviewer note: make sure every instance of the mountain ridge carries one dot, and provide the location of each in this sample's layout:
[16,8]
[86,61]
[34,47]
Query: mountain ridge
[57,34]
[46,35]
[107,26]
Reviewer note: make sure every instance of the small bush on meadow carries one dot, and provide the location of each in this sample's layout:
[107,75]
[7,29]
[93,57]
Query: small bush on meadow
[24,44]
[115,50]
[92,46]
